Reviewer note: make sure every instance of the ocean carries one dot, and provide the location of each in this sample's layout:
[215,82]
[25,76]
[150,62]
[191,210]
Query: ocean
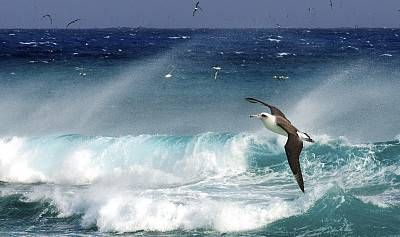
[95,140]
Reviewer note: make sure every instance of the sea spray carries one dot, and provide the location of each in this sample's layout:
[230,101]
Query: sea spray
[186,183]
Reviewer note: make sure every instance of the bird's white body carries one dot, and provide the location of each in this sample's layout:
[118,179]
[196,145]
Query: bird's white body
[270,123]
[216,68]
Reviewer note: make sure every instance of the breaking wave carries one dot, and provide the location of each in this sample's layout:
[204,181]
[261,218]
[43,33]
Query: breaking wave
[219,182]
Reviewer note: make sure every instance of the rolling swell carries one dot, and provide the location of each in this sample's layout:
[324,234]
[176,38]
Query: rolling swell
[186,183]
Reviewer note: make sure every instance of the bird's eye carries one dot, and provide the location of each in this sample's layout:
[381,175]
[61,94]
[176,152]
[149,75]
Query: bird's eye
[263,115]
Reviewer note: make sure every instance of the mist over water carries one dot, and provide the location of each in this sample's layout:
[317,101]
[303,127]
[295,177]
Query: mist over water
[359,102]
[95,140]
[110,89]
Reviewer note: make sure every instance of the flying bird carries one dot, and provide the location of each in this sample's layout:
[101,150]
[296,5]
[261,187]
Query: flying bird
[278,123]
[169,74]
[72,22]
[217,69]
[50,18]
[331,3]
[197,7]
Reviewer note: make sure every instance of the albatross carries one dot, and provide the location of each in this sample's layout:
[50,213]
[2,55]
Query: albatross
[72,22]
[197,7]
[278,123]
[169,74]
[50,18]
[217,69]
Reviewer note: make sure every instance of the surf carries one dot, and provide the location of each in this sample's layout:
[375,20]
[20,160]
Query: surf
[186,183]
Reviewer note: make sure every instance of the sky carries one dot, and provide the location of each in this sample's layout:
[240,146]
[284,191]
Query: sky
[216,13]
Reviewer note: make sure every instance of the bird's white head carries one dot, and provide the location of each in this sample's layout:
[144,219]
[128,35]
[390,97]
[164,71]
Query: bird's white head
[269,121]
[262,116]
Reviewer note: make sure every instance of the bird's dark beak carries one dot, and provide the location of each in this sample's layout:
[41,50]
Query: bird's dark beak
[254,116]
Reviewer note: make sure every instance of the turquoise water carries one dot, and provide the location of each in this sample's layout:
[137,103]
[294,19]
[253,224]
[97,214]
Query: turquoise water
[206,184]
[95,141]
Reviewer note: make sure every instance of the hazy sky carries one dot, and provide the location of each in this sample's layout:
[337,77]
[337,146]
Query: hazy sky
[217,13]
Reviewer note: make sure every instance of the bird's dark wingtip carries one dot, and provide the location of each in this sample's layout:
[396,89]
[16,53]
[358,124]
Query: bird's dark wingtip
[301,186]
[251,100]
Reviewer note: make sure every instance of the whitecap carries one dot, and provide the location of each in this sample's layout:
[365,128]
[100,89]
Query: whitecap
[280,55]
[28,43]
[352,47]
[179,37]
[274,40]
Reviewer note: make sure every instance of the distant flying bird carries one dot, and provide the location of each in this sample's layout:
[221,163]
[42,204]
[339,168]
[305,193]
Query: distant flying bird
[331,3]
[280,77]
[217,69]
[72,22]
[169,75]
[48,16]
[197,7]
[278,123]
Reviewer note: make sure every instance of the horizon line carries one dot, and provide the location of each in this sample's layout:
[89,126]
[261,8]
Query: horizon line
[204,28]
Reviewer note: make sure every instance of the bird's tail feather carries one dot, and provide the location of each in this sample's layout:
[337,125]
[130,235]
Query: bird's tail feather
[308,138]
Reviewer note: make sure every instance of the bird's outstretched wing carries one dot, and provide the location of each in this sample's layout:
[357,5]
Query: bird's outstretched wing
[274,110]
[72,22]
[50,18]
[293,149]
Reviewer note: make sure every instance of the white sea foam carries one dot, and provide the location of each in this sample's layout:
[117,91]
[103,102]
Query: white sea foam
[87,160]
[28,43]
[113,210]
[137,184]
[280,55]
[14,165]
[274,40]
[165,183]
[179,37]
[389,198]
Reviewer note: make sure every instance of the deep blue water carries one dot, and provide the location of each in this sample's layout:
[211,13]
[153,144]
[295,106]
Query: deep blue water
[95,140]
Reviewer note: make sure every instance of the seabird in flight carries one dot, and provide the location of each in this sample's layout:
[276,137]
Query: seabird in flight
[169,75]
[331,3]
[217,69]
[278,123]
[48,16]
[72,22]
[197,7]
